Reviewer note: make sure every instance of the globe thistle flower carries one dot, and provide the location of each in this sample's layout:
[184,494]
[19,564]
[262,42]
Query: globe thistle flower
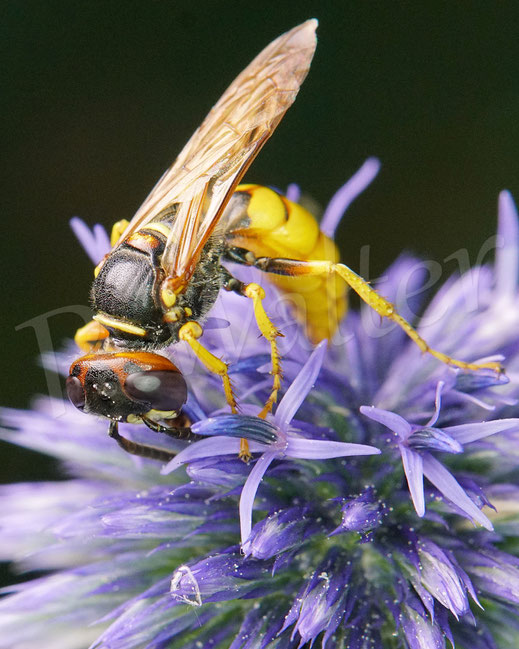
[380,508]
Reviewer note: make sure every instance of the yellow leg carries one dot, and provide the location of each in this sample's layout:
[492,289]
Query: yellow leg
[117,229]
[387,310]
[91,337]
[382,306]
[191,332]
[256,293]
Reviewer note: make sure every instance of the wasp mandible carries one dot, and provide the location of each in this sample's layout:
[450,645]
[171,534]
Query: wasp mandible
[165,269]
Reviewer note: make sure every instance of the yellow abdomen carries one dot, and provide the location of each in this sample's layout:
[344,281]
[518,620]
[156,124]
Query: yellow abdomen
[273,226]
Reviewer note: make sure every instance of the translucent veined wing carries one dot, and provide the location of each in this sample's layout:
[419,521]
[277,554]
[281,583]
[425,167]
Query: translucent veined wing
[203,177]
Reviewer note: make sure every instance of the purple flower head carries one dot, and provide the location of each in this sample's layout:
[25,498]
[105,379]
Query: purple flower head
[330,536]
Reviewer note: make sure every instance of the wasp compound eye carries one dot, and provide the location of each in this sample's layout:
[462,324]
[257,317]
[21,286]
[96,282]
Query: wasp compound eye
[163,389]
[75,392]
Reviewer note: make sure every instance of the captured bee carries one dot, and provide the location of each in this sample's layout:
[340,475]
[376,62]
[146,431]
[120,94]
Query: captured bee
[138,387]
[165,269]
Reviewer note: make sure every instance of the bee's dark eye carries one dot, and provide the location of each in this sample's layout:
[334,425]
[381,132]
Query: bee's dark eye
[163,389]
[75,391]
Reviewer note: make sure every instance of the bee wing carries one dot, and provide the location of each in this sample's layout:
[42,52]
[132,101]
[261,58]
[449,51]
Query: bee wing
[202,179]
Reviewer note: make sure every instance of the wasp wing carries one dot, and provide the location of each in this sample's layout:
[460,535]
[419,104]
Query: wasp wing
[202,179]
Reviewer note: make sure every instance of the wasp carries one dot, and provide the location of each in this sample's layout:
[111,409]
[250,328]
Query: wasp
[165,269]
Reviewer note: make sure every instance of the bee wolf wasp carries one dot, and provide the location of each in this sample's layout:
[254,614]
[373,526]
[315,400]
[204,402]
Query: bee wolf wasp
[165,269]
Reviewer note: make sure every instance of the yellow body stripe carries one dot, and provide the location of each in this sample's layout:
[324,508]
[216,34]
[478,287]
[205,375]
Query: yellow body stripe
[158,226]
[120,324]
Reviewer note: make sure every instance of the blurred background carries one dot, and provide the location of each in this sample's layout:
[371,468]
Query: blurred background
[97,99]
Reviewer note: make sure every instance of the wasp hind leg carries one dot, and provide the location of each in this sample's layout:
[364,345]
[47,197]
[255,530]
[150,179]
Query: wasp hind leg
[383,307]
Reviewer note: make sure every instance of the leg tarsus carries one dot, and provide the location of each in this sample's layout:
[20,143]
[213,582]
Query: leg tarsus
[385,309]
[244,453]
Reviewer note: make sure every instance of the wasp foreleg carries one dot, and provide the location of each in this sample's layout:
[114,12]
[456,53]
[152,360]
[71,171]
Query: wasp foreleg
[91,337]
[117,229]
[383,307]
[191,332]
[135,448]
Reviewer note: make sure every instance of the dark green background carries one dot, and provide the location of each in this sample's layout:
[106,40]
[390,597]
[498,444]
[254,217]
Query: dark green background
[98,97]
